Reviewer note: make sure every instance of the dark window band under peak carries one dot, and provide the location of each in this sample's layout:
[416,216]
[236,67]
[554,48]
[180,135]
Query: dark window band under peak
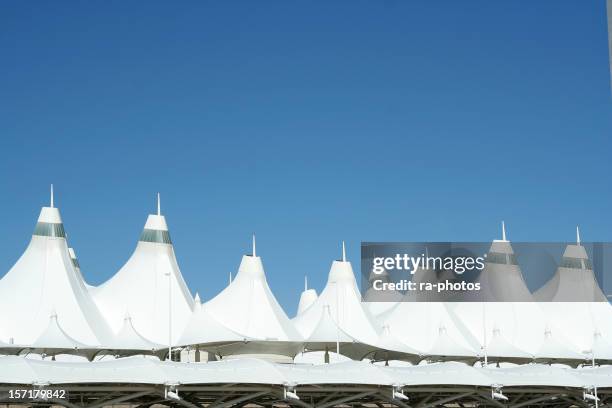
[150,235]
[49,229]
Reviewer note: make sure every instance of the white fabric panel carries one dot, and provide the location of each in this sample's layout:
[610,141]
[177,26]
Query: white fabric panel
[44,282]
[141,289]
[248,307]
[139,370]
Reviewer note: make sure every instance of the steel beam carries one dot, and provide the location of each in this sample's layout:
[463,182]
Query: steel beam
[345,399]
[535,400]
[238,400]
[118,399]
[448,399]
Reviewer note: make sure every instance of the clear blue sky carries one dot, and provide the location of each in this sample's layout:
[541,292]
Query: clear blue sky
[305,122]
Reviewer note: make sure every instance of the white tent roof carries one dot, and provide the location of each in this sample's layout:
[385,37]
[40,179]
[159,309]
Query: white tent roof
[590,314]
[573,280]
[342,299]
[141,287]
[128,338]
[54,340]
[519,325]
[43,281]
[77,266]
[389,341]
[553,348]
[204,328]
[537,374]
[377,301]
[514,324]
[595,376]
[138,370]
[601,348]
[501,279]
[424,275]
[327,330]
[248,307]
[499,346]
[429,328]
[55,337]
[307,298]
[580,322]
[246,318]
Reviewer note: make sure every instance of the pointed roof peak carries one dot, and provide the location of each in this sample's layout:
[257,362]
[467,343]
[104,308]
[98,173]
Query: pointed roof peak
[305,283]
[197,297]
[50,215]
[254,246]
[156,221]
[230,277]
[504,231]
[343,252]
[52,203]
[578,235]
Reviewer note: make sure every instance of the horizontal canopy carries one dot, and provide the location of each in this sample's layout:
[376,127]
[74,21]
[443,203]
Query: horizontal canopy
[138,370]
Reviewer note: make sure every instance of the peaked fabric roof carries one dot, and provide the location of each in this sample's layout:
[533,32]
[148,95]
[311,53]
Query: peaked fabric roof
[432,329]
[378,302]
[204,328]
[327,330]
[580,322]
[501,278]
[44,281]
[146,285]
[248,307]
[512,321]
[459,326]
[573,280]
[498,346]
[128,338]
[45,289]
[554,349]
[54,340]
[77,266]
[515,328]
[574,302]
[307,299]
[340,301]
[55,337]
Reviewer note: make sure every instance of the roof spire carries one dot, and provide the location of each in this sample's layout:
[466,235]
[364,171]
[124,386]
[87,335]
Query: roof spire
[254,247]
[343,252]
[230,278]
[504,231]
[158,205]
[305,283]
[52,196]
[577,235]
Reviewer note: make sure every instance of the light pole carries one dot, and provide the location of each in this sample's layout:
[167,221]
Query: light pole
[169,315]
[594,387]
[337,324]
[484,334]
